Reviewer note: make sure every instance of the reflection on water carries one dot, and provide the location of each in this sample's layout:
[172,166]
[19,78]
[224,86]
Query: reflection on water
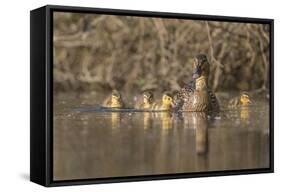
[111,144]
[244,113]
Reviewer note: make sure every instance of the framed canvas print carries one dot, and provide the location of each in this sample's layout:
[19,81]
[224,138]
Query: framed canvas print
[123,95]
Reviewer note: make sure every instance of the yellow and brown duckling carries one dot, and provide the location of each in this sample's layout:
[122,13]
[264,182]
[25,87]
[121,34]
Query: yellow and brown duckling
[114,100]
[197,96]
[148,101]
[242,101]
[166,103]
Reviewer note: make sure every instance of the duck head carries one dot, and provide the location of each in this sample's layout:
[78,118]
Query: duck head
[147,97]
[201,66]
[167,101]
[116,99]
[245,99]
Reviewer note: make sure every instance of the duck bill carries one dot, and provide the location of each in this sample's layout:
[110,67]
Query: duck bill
[197,73]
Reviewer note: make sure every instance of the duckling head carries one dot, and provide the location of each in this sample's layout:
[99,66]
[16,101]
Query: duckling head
[201,66]
[116,99]
[167,100]
[245,99]
[147,97]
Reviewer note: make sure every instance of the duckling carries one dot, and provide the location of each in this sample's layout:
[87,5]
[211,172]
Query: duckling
[114,100]
[197,96]
[148,101]
[241,101]
[166,103]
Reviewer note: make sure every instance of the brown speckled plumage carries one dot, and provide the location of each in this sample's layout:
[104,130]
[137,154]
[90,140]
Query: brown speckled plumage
[196,95]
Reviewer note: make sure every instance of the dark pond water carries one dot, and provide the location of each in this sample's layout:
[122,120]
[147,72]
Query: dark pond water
[90,144]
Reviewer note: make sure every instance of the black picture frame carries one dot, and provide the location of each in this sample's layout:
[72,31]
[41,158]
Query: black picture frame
[41,94]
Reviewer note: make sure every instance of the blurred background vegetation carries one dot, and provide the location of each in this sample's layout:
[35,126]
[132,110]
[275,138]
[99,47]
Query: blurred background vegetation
[98,53]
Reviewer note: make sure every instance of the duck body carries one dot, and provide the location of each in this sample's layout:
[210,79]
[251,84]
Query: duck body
[147,106]
[148,101]
[241,101]
[166,104]
[234,102]
[196,95]
[114,100]
[198,99]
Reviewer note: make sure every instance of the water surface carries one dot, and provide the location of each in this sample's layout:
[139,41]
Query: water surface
[91,144]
